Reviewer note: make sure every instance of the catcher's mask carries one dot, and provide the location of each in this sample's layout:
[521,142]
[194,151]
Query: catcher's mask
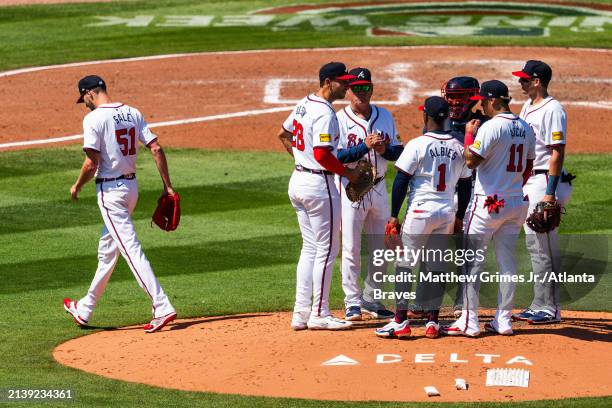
[457,92]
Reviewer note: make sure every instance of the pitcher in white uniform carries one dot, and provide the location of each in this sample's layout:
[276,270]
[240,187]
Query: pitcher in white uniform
[549,182]
[503,152]
[367,132]
[310,134]
[111,134]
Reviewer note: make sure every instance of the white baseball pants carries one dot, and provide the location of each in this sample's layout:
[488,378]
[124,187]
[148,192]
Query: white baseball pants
[544,248]
[371,216]
[117,200]
[503,228]
[317,204]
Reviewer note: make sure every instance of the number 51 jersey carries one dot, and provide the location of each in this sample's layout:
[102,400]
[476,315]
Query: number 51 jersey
[114,129]
[435,161]
[313,123]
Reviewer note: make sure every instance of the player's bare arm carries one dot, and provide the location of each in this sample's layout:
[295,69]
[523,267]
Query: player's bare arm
[88,171]
[162,165]
[286,139]
[555,166]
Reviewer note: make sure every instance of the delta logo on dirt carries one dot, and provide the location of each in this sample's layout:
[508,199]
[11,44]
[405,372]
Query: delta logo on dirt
[382,19]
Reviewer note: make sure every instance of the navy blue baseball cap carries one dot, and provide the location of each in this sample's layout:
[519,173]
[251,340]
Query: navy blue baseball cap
[334,70]
[363,76]
[435,106]
[535,69]
[89,82]
[492,89]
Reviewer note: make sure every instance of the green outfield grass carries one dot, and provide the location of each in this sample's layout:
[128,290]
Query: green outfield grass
[41,35]
[235,252]
[238,243]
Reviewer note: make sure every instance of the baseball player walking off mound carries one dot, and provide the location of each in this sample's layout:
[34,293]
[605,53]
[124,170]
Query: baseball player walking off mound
[367,132]
[503,152]
[549,183]
[310,134]
[111,133]
[432,165]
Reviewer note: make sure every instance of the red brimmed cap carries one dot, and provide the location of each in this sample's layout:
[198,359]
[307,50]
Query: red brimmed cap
[363,76]
[436,107]
[535,69]
[334,70]
[492,89]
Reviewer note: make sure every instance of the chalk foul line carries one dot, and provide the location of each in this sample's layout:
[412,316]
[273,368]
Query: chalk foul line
[157,125]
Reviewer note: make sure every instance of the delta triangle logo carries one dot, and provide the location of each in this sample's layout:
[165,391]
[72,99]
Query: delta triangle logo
[340,360]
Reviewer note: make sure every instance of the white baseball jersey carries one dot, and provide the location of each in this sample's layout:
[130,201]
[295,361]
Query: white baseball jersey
[114,130]
[354,130]
[549,123]
[435,161]
[313,124]
[505,143]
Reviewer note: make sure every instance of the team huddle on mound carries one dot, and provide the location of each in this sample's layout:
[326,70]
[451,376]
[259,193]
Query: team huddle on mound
[478,171]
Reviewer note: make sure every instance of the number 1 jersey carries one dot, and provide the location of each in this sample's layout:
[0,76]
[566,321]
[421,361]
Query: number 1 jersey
[436,163]
[114,129]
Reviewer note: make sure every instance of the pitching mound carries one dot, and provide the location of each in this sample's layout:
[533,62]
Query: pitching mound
[258,354]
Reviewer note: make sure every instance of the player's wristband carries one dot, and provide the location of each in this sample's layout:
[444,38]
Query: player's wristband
[551,187]
[468,140]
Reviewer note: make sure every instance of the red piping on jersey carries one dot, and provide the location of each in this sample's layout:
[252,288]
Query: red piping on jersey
[357,123]
[539,107]
[112,107]
[331,241]
[465,297]
[326,104]
[476,154]
[149,144]
[438,138]
[123,246]
[503,117]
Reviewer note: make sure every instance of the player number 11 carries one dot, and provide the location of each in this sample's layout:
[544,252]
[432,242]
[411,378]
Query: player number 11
[126,144]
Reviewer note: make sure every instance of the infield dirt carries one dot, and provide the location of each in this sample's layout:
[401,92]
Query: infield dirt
[208,84]
[259,354]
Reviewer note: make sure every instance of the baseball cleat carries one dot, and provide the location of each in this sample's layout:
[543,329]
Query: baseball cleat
[456,331]
[489,327]
[327,323]
[376,310]
[394,329]
[300,320]
[71,308]
[525,315]
[159,322]
[542,317]
[353,313]
[432,330]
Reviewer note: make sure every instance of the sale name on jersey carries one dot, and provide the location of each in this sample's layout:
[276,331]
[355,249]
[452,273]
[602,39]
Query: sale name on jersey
[123,117]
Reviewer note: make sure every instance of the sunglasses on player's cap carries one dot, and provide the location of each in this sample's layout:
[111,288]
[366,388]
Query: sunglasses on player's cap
[334,71]
[87,84]
[435,106]
[535,69]
[492,89]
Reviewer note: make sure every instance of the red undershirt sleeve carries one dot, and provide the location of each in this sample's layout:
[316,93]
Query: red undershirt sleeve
[326,158]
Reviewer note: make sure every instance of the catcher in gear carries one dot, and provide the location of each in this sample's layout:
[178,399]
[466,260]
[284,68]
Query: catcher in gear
[457,92]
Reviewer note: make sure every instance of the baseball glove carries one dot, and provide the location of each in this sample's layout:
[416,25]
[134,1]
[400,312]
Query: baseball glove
[167,215]
[546,216]
[392,237]
[367,178]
